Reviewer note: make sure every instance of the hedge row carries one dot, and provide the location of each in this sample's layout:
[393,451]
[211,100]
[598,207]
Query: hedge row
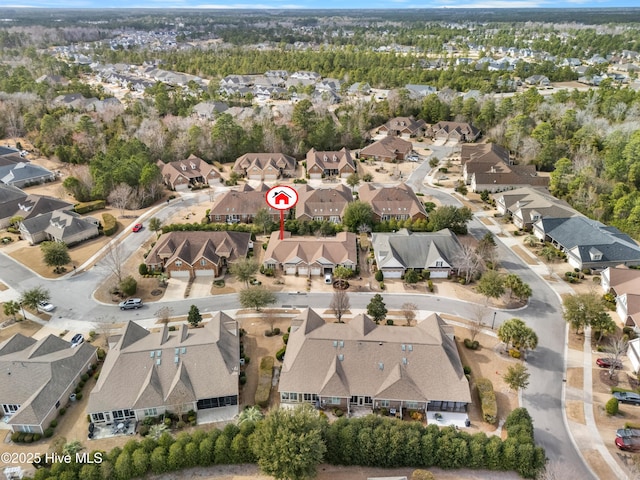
[383,442]
[487,400]
[371,441]
[264,381]
[109,224]
[86,207]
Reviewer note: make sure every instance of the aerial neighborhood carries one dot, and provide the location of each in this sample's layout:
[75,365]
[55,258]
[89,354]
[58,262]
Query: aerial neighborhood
[285,241]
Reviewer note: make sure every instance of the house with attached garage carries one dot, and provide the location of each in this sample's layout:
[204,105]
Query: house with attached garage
[60,226]
[38,377]
[399,202]
[146,374]
[405,127]
[265,166]
[527,205]
[389,149]
[183,174]
[363,366]
[330,164]
[322,204]
[241,205]
[24,174]
[310,256]
[588,243]
[459,131]
[197,254]
[435,252]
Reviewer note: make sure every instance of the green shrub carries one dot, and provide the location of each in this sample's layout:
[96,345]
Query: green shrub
[430,285]
[61,412]
[28,438]
[246,360]
[48,433]
[129,286]
[338,412]
[143,269]
[389,321]
[36,437]
[466,369]
[612,406]
[285,338]
[109,224]
[379,276]
[265,374]
[381,285]
[79,396]
[618,389]
[86,207]
[487,400]
[632,425]
[276,331]
[85,376]
[53,424]
[280,353]
[101,354]
[143,430]
[471,345]
[15,436]
[21,436]
[514,353]
[243,378]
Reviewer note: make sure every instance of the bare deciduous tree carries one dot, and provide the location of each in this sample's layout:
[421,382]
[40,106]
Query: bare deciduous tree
[113,259]
[409,312]
[614,351]
[163,314]
[340,304]
[477,320]
[468,263]
[120,197]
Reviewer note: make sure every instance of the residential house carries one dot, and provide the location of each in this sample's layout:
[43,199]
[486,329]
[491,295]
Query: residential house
[197,254]
[399,202]
[361,365]
[38,377]
[241,205]
[310,256]
[147,374]
[330,164]
[322,204]
[633,354]
[265,166]
[183,174]
[435,252]
[405,127]
[624,283]
[389,149]
[420,91]
[527,205]
[359,89]
[209,110]
[60,226]
[458,131]
[15,203]
[24,174]
[538,80]
[588,243]
[488,167]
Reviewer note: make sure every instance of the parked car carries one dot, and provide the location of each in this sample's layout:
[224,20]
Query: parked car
[77,339]
[46,306]
[131,303]
[137,227]
[628,432]
[631,444]
[627,397]
[607,362]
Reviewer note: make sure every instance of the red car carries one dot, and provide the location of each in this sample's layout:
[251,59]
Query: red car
[137,227]
[606,363]
[631,444]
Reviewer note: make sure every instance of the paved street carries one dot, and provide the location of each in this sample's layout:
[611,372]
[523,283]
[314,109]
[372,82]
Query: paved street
[73,296]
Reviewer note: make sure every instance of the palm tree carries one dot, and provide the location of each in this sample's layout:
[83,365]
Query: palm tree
[250,414]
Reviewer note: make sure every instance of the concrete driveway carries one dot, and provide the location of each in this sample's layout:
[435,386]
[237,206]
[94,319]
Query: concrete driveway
[175,289]
[201,287]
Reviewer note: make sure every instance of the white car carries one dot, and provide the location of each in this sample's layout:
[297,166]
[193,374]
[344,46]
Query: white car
[46,306]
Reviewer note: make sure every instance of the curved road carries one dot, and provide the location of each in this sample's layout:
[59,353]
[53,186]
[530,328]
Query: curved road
[73,296]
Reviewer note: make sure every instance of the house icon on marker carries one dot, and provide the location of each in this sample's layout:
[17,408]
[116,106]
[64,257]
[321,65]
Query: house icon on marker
[281,198]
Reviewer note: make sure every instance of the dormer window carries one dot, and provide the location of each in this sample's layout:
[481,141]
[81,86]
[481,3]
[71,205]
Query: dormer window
[184,168]
[193,166]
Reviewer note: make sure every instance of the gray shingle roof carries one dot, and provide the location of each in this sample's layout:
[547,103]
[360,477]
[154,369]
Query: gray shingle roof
[38,373]
[207,366]
[415,250]
[373,362]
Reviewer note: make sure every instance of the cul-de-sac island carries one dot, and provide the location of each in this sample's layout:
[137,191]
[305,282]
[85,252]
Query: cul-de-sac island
[351,244]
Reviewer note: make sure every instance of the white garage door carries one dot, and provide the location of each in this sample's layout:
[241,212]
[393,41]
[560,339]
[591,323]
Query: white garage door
[316,271]
[181,187]
[270,177]
[204,273]
[290,270]
[315,175]
[303,271]
[180,273]
[255,177]
[439,274]
[621,313]
[392,273]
